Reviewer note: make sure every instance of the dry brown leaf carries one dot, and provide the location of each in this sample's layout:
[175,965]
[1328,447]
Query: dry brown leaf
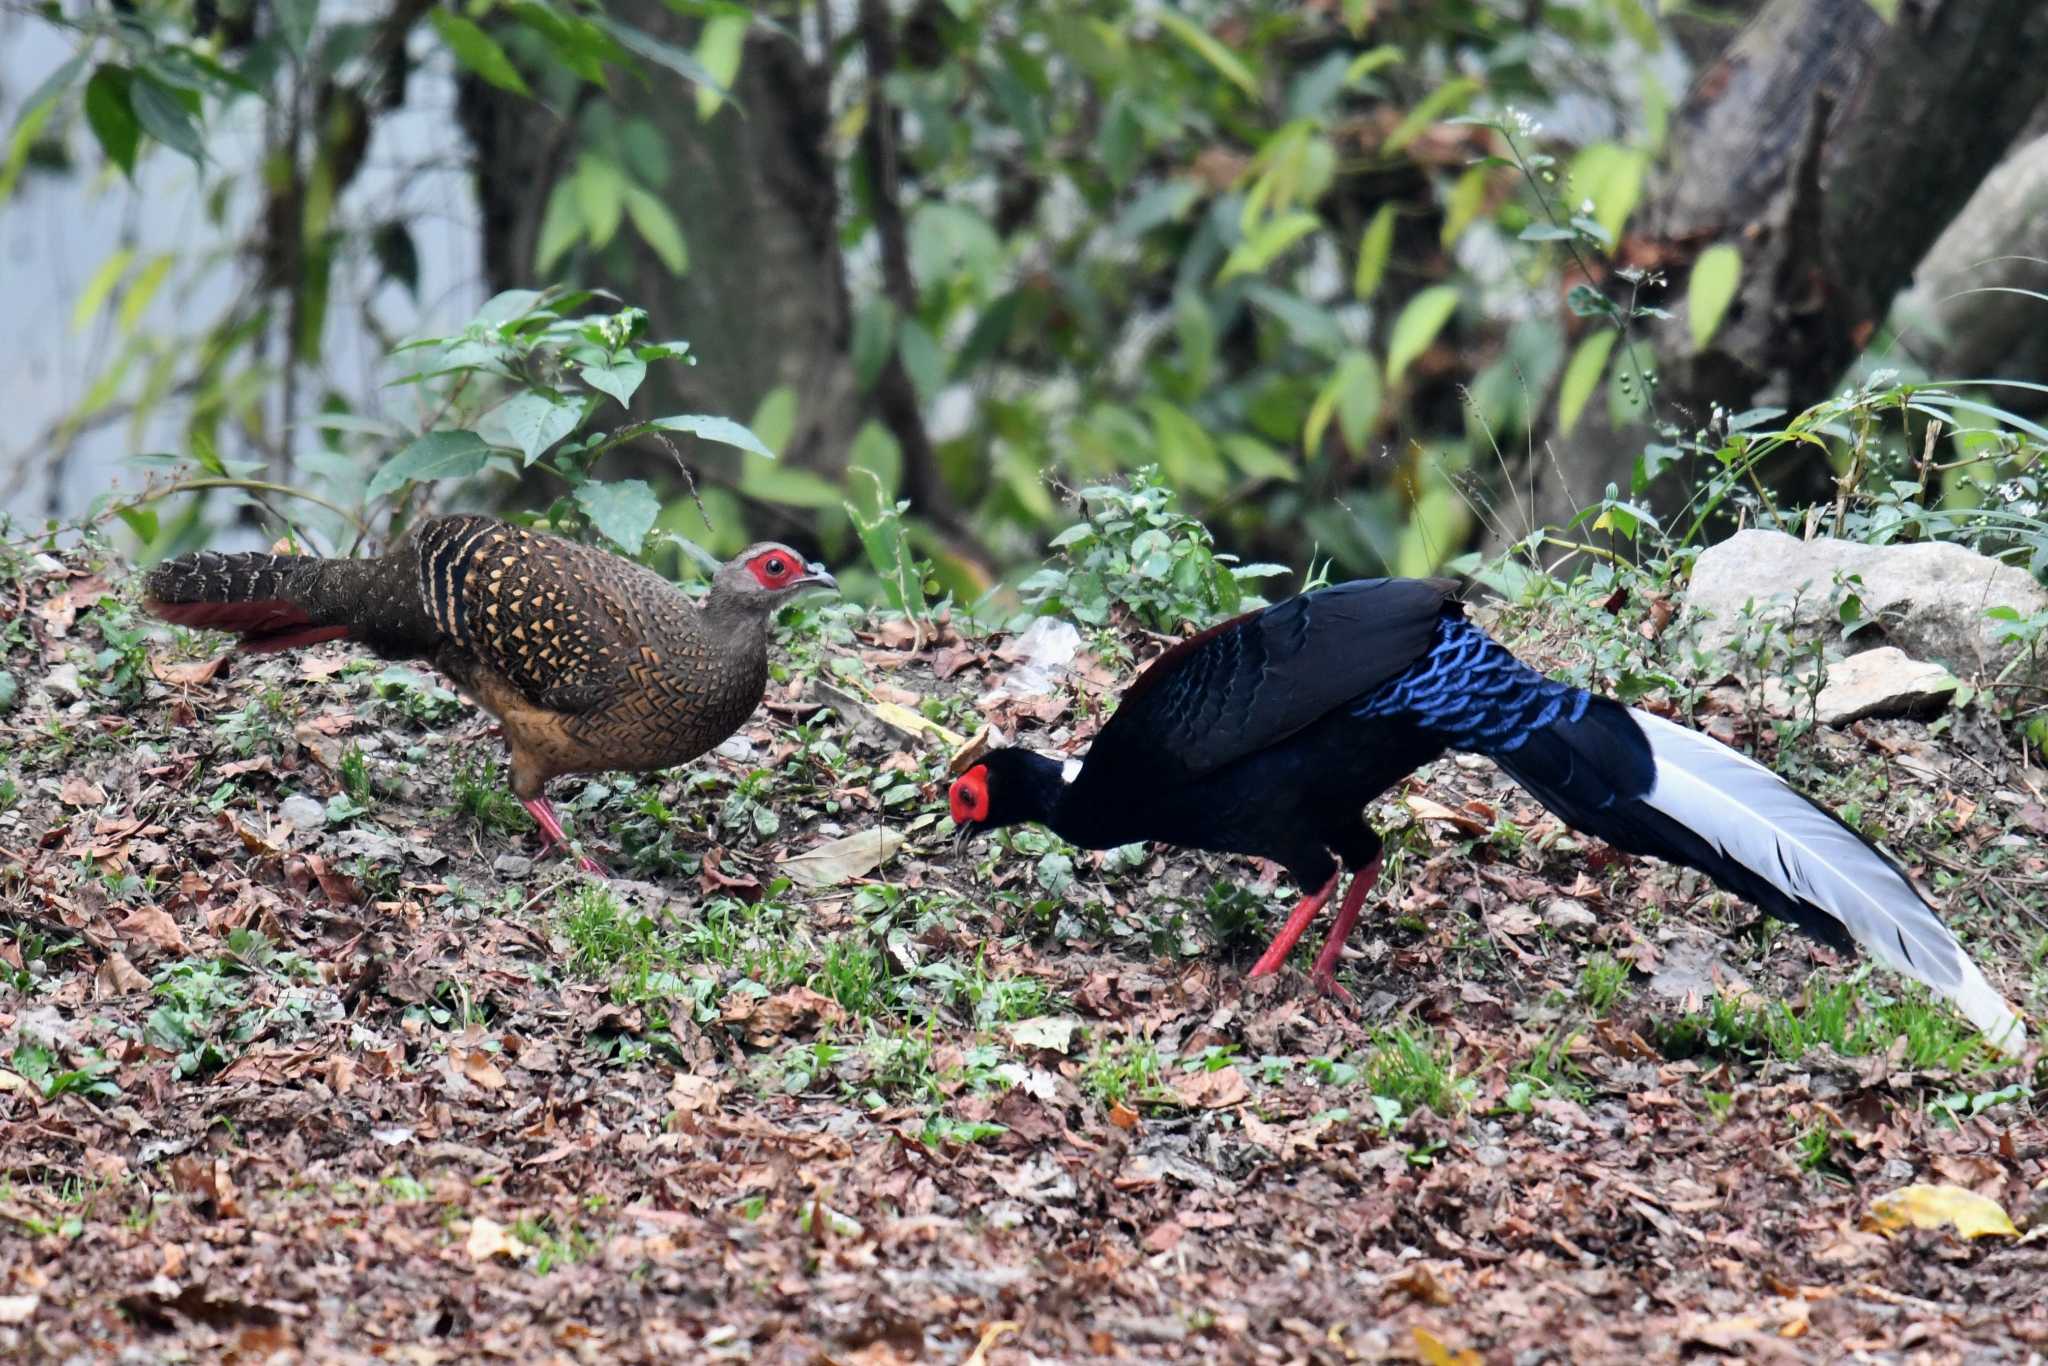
[488,1238]
[148,925]
[990,1335]
[1052,1032]
[765,1019]
[79,791]
[1429,809]
[844,859]
[689,1092]
[1123,1116]
[1215,1090]
[476,1064]
[117,977]
[189,674]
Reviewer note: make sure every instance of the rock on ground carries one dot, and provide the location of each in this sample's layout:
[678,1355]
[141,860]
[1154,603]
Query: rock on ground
[1928,599]
[1882,682]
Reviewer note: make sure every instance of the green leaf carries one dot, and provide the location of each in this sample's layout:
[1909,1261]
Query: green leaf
[1639,24]
[622,512]
[1434,106]
[1374,247]
[1353,395]
[164,117]
[1257,459]
[1273,237]
[601,195]
[921,359]
[786,485]
[619,378]
[657,227]
[561,225]
[449,454]
[142,292]
[1712,288]
[874,333]
[1463,204]
[112,121]
[1612,177]
[718,50]
[1582,377]
[98,287]
[41,99]
[535,422]
[477,50]
[1227,63]
[296,19]
[1424,317]
[661,53]
[720,429]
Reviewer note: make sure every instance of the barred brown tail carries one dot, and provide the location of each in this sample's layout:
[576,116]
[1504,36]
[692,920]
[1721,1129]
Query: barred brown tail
[269,600]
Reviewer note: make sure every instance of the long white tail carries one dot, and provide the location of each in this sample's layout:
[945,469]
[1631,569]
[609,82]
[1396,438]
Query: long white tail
[1751,817]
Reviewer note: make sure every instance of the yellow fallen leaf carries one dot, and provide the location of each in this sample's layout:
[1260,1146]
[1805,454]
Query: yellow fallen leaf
[990,1335]
[488,1239]
[1430,1348]
[903,718]
[1973,1215]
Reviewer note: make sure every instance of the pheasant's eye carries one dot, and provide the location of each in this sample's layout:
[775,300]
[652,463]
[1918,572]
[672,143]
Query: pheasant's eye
[777,567]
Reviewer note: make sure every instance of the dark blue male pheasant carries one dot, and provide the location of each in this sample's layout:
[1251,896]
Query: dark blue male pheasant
[1268,735]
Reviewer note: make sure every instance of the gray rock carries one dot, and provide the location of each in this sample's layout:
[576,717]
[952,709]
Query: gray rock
[1882,682]
[1566,914]
[303,812]
[512,865]
[1929,599]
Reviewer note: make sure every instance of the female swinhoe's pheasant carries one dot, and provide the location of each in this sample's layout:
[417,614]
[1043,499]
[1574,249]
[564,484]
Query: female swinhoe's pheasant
[590,662]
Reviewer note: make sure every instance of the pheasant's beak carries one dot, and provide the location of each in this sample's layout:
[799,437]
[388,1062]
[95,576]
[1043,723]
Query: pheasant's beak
[817,576]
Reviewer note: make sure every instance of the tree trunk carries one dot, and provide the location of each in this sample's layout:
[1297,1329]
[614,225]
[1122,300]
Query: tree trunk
[1831,149]
[763,303]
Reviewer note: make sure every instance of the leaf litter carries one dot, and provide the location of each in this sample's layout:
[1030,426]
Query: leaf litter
[350,1092]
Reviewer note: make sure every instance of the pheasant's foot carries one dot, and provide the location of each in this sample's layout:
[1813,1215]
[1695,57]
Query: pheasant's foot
[1297,924]
[1324,975]
[553,839]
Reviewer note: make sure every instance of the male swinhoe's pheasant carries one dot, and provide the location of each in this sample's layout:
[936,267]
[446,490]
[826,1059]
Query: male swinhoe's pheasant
[591,663]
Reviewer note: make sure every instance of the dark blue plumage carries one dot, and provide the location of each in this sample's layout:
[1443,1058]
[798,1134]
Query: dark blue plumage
[1269,734]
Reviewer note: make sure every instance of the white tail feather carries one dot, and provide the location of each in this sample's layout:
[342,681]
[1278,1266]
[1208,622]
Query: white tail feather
[1753,817]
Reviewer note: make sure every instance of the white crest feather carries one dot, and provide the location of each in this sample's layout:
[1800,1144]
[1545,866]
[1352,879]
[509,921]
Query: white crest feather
[1752,816]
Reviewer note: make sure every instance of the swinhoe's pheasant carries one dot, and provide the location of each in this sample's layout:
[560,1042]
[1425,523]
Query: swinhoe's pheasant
[1269,734]
[590,662]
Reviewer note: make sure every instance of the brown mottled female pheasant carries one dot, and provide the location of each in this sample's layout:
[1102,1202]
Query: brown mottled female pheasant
[591,662]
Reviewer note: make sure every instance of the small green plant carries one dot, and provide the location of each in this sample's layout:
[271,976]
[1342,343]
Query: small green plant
[41,1068]
[1415,1069]
[1123,1073]
[552,1243]
[1601,980]
[354,773]
[481,794]
[525,382]
[407,696]
[1137,550]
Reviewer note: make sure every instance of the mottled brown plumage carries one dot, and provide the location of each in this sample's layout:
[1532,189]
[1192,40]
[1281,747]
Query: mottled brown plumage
[591,663]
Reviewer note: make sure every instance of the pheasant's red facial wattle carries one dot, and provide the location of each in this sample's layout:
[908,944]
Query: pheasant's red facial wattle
[777,567]
[968,798]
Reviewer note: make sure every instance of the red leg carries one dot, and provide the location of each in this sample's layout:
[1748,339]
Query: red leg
[552,838]
[1297,924]
[1324,977]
